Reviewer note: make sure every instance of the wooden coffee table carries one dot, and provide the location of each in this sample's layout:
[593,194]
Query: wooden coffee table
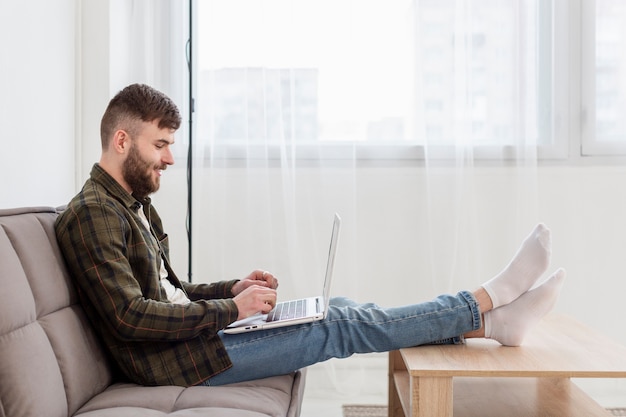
[483,378]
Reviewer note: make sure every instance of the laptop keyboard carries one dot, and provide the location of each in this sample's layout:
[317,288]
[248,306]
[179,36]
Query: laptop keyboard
[288,310]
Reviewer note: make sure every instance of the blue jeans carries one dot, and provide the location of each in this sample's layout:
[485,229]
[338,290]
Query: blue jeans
[347,329]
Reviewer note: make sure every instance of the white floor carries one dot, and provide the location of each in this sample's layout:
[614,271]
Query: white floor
[361,379]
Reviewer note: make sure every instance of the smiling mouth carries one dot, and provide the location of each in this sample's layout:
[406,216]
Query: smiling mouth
[159,170]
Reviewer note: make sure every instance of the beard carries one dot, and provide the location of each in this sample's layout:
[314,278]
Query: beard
[137,173]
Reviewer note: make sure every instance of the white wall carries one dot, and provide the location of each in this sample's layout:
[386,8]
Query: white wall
[59,66]
[391,222]
[37,96]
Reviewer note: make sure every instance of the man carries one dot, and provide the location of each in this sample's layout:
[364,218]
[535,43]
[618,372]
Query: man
[163,331]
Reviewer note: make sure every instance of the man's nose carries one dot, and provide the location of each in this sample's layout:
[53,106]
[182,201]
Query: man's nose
[168,157]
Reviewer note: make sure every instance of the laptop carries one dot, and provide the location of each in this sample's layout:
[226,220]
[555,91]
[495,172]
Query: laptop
[304,310]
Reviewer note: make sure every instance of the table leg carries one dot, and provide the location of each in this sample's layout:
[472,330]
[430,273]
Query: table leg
[431,397]
[396,367]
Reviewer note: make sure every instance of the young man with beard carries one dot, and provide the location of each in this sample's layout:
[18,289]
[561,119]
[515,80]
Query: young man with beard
[163,331]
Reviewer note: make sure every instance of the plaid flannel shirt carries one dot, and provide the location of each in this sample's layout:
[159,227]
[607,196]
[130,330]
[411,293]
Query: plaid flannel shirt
[115,262]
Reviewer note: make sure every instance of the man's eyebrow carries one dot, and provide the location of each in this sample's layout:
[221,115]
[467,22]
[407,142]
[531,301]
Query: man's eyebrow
[165,141]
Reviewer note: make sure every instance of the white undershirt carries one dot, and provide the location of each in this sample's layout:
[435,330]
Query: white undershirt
[174,295]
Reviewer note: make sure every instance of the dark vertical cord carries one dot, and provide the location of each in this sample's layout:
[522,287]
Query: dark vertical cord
[190,149]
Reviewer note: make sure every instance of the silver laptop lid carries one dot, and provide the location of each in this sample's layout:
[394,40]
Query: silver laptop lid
[330,264]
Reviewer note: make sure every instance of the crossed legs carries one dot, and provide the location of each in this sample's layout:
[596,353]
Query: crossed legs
[511,302]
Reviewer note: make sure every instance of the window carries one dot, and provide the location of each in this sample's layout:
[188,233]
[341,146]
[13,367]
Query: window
[402,78]
[604,77]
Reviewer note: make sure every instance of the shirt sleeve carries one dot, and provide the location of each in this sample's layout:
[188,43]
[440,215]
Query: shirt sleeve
[115,269]
[215,290]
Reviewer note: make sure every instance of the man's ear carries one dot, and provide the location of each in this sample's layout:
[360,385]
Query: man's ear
[121,141]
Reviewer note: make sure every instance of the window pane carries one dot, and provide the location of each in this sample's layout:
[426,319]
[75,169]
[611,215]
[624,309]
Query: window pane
[610,71]
[306,70]
[480,66]
[440,72]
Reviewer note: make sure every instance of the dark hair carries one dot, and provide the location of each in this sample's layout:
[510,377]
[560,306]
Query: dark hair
[138,102]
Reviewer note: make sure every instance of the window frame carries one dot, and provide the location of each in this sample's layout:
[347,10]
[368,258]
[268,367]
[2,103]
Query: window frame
[590,146]
[573,96]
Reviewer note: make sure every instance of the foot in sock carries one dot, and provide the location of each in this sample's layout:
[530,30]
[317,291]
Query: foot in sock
[529,263]
[510,324]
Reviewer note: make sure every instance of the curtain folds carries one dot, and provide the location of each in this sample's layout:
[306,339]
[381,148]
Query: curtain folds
[412,228]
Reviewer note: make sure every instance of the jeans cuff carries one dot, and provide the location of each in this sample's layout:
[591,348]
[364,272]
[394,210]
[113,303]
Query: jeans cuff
[477,321]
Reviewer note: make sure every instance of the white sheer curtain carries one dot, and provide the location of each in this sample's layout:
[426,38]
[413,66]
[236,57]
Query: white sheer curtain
[418,121]
[402,117]
[497,111]
[147,44]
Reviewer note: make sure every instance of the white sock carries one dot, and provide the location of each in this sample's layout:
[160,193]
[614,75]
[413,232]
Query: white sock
[510,324]
[526,267]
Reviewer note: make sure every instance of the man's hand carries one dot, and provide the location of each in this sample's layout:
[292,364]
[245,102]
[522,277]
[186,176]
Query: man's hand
[255,299]
[257,277]
[255,293]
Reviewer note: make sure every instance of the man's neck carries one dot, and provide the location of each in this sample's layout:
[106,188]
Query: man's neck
[115,171]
